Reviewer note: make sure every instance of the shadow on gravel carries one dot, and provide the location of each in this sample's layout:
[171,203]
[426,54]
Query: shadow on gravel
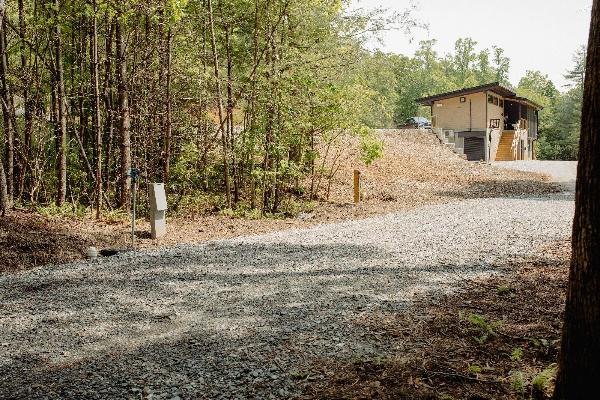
[230,319]
[511,188]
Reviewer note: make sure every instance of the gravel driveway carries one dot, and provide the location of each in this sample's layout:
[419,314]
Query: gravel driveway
[245,318]
[563,172]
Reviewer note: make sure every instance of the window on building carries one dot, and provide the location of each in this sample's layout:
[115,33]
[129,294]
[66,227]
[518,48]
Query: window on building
[490,99]
[463,99]
[495,101]
[501,103]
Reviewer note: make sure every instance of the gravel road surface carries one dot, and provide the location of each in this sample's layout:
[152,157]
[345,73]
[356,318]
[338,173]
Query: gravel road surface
[245,318]
[563,172]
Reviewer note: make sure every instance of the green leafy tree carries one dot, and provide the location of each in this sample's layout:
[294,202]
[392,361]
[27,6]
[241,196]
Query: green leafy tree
[560,120]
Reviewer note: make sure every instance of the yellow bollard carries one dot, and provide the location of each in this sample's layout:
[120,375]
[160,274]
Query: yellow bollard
[356,186]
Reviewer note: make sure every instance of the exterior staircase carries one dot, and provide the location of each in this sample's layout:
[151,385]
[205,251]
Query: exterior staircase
[505,147]
[450,139]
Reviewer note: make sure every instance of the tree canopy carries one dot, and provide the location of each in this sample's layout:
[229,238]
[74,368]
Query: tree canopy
[232,103]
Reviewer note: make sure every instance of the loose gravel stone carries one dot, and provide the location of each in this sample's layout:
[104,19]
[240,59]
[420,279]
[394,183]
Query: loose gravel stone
[246,318]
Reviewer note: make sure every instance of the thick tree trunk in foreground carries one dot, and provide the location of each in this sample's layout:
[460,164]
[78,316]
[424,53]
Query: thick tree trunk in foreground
[579,362]
[6,114]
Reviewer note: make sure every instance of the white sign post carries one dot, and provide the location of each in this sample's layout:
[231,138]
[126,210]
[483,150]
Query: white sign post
[158,208]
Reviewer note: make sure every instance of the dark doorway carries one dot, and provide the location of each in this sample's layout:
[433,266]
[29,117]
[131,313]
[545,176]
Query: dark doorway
[475,148]
[512,114]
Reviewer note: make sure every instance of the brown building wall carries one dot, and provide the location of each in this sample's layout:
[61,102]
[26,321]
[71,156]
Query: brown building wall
[452,114]
[495,111]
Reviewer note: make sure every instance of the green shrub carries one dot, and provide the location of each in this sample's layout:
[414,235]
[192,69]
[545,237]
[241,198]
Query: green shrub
[485,328]
[67,210]
[474,369]
[371,148]
[503,290]
[516,355]
[542,380]
[518,383]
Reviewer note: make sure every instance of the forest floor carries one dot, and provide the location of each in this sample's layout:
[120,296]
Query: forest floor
[495,338]
[414,171]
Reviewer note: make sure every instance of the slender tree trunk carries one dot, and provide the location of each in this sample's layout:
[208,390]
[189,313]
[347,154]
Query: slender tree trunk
[253,100]
[26,148]
[124,134]
[168,123]
[61,170]
[206,145]
[579,361]
[108,103]
[7,114]
[96,114]
[3,189]
[220,103]
[230,125]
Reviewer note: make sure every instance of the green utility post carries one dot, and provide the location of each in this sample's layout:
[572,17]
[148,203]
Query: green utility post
[134,174]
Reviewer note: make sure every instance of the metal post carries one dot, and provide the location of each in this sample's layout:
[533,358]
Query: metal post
[133,200]
[134,173]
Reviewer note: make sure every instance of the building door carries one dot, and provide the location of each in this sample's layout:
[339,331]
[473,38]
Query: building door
[475,148]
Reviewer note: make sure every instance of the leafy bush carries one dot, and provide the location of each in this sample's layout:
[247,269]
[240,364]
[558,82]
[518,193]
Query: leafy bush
[67,210]
[371,148]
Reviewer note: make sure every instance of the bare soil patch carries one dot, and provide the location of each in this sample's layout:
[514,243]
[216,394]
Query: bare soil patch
[416,170]
[439,350]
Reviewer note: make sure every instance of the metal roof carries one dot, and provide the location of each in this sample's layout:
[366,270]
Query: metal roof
[495,87]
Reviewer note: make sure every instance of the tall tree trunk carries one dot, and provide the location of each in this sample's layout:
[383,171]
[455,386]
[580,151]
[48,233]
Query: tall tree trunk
[579,361]
[26,81]
[3,189]
[213,42]
[168,123]
[108,102]
[61,170]
[6,113]
[253,97]
[96,114]
[124,134]
[230,125]
[206,144]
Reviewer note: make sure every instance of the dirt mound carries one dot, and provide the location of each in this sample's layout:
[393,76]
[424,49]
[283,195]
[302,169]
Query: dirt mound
[28,239]
[416,169]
